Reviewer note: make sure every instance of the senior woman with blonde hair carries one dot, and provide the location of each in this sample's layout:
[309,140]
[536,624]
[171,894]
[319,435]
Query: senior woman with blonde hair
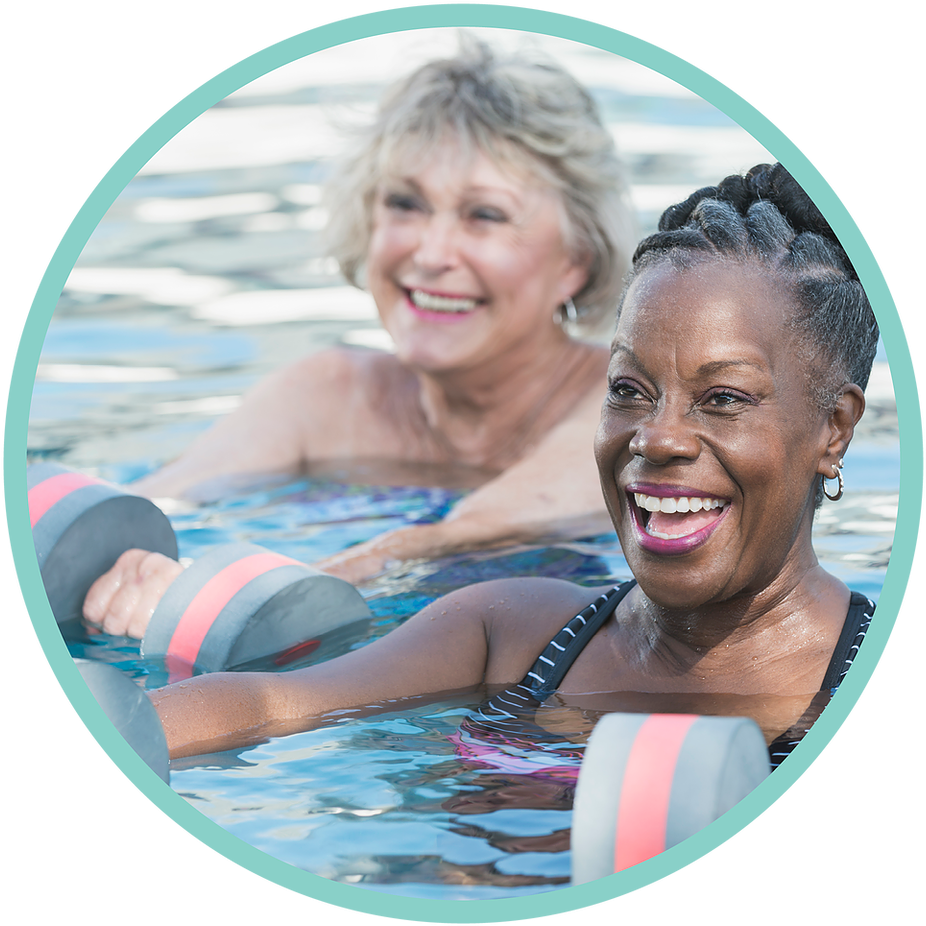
[486,213]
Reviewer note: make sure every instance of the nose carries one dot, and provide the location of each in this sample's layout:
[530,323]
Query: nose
[665,435]
[437,249]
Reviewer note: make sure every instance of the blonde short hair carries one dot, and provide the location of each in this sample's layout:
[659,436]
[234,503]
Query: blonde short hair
[522,110]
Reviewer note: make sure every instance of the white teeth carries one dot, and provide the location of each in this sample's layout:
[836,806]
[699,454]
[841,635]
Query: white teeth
[434,303]
[681,503]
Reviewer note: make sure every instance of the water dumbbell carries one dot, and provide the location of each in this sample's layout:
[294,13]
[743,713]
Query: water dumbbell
[81,526]
[236,605]
[649,781]
[130,711]
[241,603]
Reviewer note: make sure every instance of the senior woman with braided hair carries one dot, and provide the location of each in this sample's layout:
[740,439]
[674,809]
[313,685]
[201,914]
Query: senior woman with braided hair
[486,214]
[743,347]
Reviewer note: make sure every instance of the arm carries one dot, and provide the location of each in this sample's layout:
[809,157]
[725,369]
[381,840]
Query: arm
[269,432]
[553,492]
[481,634]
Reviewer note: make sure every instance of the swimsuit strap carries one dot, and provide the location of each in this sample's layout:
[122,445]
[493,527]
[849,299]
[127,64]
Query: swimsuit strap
[858,619]
[854,629]
[562,651]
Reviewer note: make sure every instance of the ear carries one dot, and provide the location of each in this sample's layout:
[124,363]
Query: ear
[574,276]
[842,422]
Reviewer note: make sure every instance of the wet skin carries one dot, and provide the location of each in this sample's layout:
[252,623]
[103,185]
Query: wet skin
[708,398]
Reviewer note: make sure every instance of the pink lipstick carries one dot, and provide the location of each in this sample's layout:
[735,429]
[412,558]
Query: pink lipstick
[672,520]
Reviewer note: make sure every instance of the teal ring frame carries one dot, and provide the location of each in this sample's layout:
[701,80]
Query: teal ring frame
[400,20]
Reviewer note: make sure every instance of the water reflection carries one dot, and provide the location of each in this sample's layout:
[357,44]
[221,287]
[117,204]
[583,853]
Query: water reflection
[209,271]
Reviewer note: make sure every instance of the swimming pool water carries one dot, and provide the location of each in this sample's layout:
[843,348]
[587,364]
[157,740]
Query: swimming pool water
[383,802]
[410,817]
[184,296]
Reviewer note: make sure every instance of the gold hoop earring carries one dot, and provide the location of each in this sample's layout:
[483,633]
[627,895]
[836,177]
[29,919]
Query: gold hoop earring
[837,474]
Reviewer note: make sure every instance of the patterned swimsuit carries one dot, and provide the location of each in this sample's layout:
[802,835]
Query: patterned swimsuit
[498,735]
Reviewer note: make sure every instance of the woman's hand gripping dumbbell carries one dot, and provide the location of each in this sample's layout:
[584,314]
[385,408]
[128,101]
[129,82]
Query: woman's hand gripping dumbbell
[236,604]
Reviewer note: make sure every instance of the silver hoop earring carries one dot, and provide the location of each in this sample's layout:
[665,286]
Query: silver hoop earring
[569,311]
[837,474]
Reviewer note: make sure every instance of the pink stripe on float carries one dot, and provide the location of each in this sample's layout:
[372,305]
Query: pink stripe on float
[643,812]
[201,612]
[50,491]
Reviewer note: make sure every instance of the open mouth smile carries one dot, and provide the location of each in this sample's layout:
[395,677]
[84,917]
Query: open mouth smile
[674,524]
[440,303]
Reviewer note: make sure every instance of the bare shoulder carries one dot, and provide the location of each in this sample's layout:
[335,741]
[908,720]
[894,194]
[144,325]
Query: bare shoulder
[340,401]
[337,368]
[520,616]
[527,596]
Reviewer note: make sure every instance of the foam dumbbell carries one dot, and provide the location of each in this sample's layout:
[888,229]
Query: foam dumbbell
[130,711]
[649,781]
[240,603]
[80,526]
[236,605]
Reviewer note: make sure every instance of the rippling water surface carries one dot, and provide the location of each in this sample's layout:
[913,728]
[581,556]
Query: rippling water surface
[207,272]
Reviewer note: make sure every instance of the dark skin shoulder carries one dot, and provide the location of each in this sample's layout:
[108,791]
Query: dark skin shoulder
[525,615]
[486,634]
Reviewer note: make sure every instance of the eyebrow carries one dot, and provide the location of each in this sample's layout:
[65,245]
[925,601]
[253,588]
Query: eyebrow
[476,189]
[707,369]
[408,181]
[715,366]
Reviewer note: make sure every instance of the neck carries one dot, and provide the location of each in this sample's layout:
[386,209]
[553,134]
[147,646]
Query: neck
[489,415]
[786,623]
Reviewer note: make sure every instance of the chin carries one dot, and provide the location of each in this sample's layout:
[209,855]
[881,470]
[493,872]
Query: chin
[673,583]
[424,361]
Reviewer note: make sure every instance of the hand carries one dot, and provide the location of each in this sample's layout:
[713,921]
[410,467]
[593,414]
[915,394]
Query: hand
[354,564]
[372,557]
[122,600]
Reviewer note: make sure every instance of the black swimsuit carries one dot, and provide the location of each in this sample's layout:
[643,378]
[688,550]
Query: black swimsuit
[504,713]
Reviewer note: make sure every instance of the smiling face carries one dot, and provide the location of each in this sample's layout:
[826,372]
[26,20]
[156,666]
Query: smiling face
[467,261]
[709,442]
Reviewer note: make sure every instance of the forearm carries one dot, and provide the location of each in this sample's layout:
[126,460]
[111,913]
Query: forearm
[443,648]
[478,531]
[418,541]
[211,713]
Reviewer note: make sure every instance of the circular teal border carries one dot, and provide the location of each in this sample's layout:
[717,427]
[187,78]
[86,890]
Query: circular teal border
[400,20]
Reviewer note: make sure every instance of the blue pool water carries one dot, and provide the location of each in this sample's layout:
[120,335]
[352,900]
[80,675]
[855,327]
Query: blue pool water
[385,802]
[184,296]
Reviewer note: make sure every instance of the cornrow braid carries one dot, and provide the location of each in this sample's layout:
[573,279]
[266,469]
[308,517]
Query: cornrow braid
[766,216]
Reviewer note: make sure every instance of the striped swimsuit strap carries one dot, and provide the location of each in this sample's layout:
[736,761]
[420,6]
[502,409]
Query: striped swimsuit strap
[562,651]
[858,620]
[505,710]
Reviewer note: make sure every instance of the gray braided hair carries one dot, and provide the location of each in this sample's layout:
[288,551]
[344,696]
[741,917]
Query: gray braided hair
[766,216]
